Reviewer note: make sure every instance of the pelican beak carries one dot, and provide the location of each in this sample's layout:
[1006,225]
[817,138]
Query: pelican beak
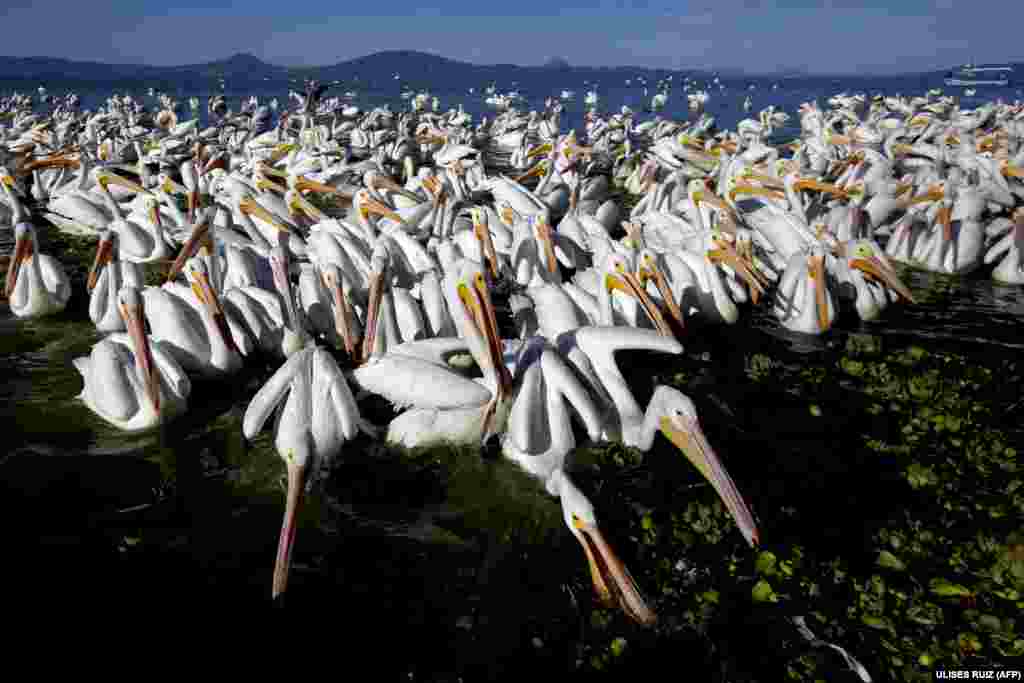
[200,236]
[476,301]
[880,271]
[944,218]
[686,434]
[303,184]
[537,170]
[343,317]
[483,234]
[539,150]
[23,249]
[932,195]
[816,270]
[507,215]
[104,255]
[373,206]
[251,207]
[627,283]
[384,181]
[373,313]
[743,188]
[819,186]
[650,271]
[155,218]
[548,244]
[279,270]
[204,292]
[296,486]
[612,581]
[113,179]
[743,265]
[134,323]
[267,169]
[1011,171]
[766,180]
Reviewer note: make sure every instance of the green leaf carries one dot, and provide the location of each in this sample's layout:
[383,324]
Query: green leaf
[889,561]
[762,592]
[618,646]
[944,588]
[766,563]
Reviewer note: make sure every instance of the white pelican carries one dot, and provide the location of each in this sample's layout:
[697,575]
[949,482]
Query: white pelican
[446,407]
[130,382]
[109,273]
[669,411]
[36,283]
[318,415]
[539,439]
[803,301]
[271,318]
[1007,248]
[193,327]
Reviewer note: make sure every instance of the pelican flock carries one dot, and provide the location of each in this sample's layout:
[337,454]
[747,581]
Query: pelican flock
[363,251]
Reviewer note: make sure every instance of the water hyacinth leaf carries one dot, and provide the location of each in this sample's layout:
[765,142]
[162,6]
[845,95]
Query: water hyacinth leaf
[889,561]
[763,592]
[944,588]
[765,563]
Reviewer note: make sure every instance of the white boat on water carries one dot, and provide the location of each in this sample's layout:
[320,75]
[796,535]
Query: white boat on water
[972,75]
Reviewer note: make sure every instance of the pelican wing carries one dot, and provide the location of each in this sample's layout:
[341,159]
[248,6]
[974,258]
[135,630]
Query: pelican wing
[273,392]
[107,383]
[600,343]
[527,428]
[55,279]
[407,381]
[331,389]
[559,377]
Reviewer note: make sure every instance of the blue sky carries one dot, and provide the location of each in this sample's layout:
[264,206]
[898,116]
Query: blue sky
[828,36]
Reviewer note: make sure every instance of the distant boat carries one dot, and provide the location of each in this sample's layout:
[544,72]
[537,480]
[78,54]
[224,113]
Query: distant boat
[969,75]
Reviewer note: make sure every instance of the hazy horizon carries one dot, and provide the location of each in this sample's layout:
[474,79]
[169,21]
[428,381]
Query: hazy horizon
[833,37]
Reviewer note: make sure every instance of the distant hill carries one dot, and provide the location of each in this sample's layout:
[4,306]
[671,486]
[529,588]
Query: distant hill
[415,69]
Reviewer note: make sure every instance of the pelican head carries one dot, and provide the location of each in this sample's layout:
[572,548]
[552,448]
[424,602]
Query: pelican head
[375,180]
[649,270]
[129,302]
[105,178]
[365,204]
[678,421]
[199,278]
[344,317]
[250,207]
[727,251]
[300,206]
[619,276]
[870,260]
[612,581]
[24,247]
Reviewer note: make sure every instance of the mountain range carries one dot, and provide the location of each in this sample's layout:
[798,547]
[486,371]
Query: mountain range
[417,69]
